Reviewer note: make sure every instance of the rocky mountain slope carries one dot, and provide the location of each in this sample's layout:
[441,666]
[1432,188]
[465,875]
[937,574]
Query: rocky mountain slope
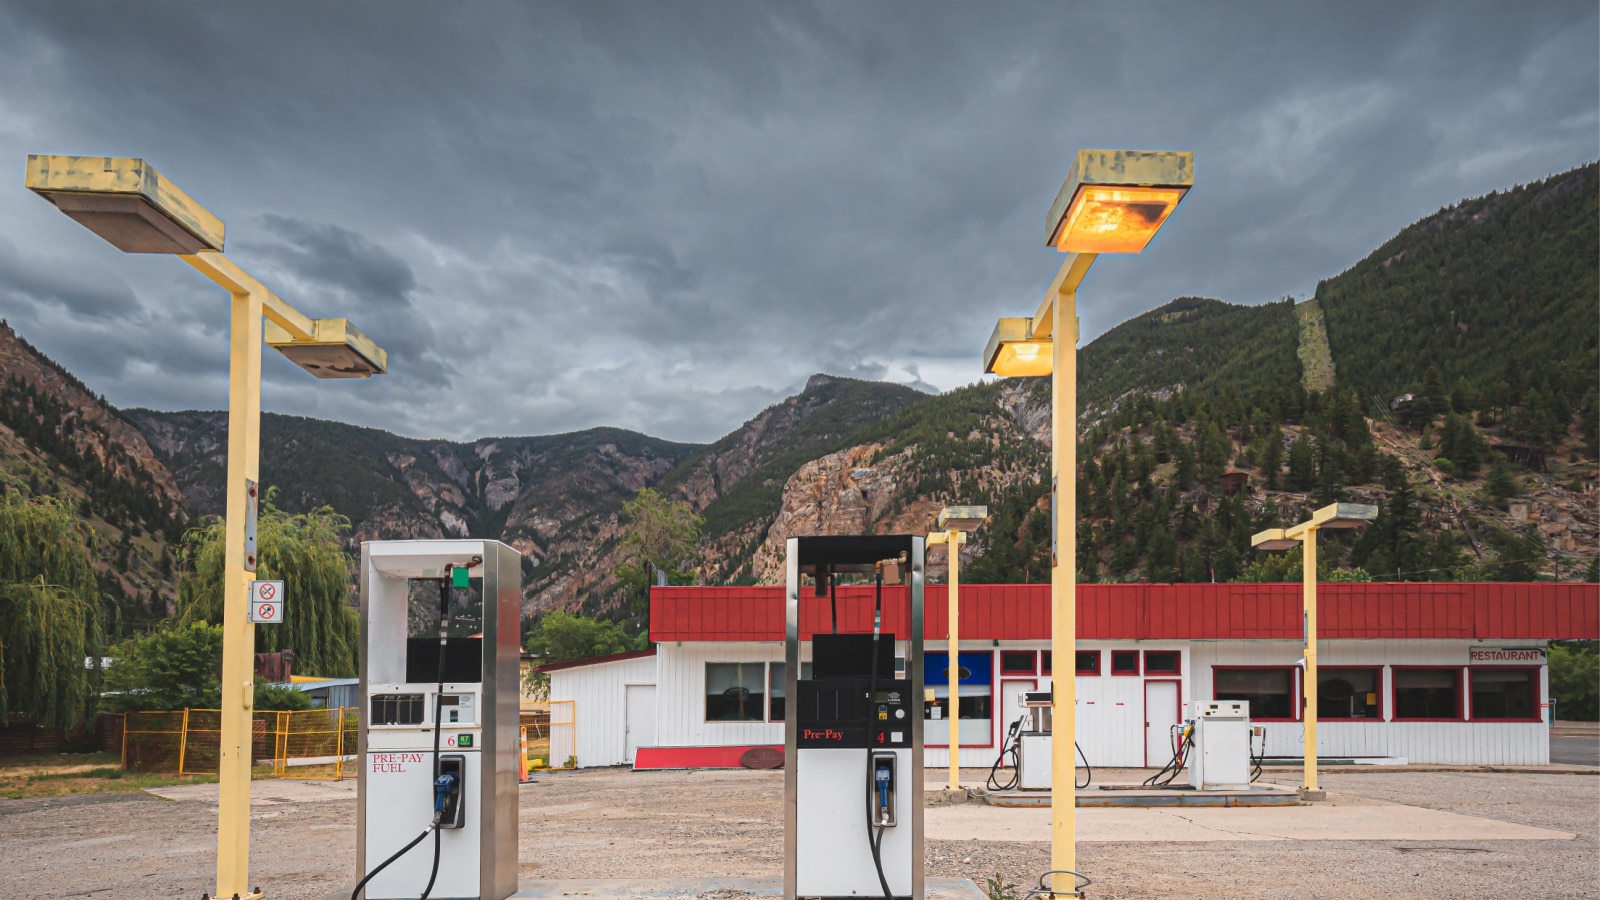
[1200,422]
[539,494]
[58,438]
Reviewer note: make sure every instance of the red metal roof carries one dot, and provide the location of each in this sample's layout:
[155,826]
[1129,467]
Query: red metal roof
[1533,611]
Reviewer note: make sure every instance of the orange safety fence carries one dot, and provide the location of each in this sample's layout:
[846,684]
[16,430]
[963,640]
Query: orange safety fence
[315,743]
[311,743]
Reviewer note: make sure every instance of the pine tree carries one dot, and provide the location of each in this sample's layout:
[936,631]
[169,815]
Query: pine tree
[1272,458]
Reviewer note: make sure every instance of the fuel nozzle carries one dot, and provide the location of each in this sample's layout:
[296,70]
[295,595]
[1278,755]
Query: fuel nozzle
[445,787]
[883,790]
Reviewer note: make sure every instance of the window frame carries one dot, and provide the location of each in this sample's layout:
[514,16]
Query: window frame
[1296,693]
[1138,663]
[1394,692]
[1046,661]
[1177,664]
[1033,664]
[1383,709]
[1538,693]
[1089,672]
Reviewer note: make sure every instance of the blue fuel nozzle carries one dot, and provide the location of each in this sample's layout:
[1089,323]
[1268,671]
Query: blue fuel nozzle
[443,787]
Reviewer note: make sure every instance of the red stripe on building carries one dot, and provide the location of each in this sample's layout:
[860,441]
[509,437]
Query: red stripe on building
[1535,611]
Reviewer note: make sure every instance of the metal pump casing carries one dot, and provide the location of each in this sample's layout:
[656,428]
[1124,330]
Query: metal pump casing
[826,853]
[394,788]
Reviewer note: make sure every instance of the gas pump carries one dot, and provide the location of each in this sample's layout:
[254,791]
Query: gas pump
[853,730]
[440,649]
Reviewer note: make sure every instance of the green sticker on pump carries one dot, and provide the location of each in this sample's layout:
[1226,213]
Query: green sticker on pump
[458,577]
[463,740]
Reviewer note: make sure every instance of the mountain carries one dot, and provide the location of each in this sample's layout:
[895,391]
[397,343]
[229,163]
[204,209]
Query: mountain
[1449,376]
[58,438]
[539,494]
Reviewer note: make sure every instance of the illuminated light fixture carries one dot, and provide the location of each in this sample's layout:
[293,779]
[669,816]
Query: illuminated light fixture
[1012,352]
[126,202]
[337,351]
[1114,201]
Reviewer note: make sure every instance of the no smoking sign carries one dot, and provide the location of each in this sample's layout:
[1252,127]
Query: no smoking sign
[266,602]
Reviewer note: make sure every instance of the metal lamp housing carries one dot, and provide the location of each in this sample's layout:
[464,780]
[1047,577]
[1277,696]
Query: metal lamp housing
[962,518]
[339,350]
[126,202]
[1114,201]
[1013,352]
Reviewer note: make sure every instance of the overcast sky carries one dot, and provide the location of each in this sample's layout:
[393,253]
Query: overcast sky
[665,216]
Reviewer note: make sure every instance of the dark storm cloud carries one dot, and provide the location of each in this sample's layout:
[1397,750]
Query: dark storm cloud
[664,217]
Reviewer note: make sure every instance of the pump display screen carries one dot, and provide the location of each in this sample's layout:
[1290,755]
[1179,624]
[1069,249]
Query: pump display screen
[463,661]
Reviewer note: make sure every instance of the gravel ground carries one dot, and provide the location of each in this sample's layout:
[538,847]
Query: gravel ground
[612,823]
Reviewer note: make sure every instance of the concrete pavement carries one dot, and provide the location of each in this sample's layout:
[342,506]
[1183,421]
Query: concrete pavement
[1342,818]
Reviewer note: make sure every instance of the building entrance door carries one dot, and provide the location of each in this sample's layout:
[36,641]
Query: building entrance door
[1161,712]
[639,719]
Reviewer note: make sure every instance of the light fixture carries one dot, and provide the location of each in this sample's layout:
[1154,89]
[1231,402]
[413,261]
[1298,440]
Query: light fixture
[962,518]
[1114,201]
[125,201]
[338,350]
[1273,539]
[1012,352]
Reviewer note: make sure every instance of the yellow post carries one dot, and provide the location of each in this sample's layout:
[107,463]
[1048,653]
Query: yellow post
[1063,588]
[238,633]
[1308,699]
[953,546]
[183,740]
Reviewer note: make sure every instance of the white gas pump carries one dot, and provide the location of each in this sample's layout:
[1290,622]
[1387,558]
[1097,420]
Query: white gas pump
[1220,759]
[440,650]
[1034,742]
[853,730]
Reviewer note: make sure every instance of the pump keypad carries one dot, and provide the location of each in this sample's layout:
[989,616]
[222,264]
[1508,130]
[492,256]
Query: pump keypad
[834,712]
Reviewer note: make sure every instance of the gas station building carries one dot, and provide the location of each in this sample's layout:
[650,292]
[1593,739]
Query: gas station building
[1440,672]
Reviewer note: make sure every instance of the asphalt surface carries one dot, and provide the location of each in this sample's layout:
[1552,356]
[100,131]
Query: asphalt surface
[1575,750]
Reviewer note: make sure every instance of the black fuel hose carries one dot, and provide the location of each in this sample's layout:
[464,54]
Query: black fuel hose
[876,844]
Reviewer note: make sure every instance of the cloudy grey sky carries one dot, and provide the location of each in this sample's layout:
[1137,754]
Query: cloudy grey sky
[665,216]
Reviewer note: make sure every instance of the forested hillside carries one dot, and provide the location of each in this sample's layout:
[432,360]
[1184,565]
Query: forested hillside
[58,439]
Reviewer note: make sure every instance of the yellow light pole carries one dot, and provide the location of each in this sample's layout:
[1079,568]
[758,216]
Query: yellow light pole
[1334,515]
[954,522]
[136,210]
[1113,201]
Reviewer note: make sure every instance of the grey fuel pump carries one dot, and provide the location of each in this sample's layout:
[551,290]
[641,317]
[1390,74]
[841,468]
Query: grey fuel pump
[853,726]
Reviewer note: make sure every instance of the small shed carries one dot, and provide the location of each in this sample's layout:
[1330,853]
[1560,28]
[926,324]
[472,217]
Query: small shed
[1234,481]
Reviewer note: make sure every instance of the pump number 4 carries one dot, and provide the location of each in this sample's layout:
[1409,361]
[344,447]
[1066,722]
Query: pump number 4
[266,602]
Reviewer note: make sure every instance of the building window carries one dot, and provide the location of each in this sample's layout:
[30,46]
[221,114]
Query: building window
[1348,693]
[1016,662]
[1088,662]
[974,677]
[1044,662]
[1124,662]
[1270,692]
[1508,694]
[1161,662]
[1427,694]
[735,692]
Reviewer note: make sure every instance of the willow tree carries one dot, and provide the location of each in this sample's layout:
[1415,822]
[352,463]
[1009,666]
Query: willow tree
[304,552]
[50,613]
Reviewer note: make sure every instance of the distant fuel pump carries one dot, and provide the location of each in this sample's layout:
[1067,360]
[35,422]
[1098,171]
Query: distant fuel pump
[853,728]
[438,744]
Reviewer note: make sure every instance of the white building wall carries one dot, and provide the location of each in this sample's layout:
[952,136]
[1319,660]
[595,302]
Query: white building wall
[1446,743]
[1111,713]
[599,705]
[681,702]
